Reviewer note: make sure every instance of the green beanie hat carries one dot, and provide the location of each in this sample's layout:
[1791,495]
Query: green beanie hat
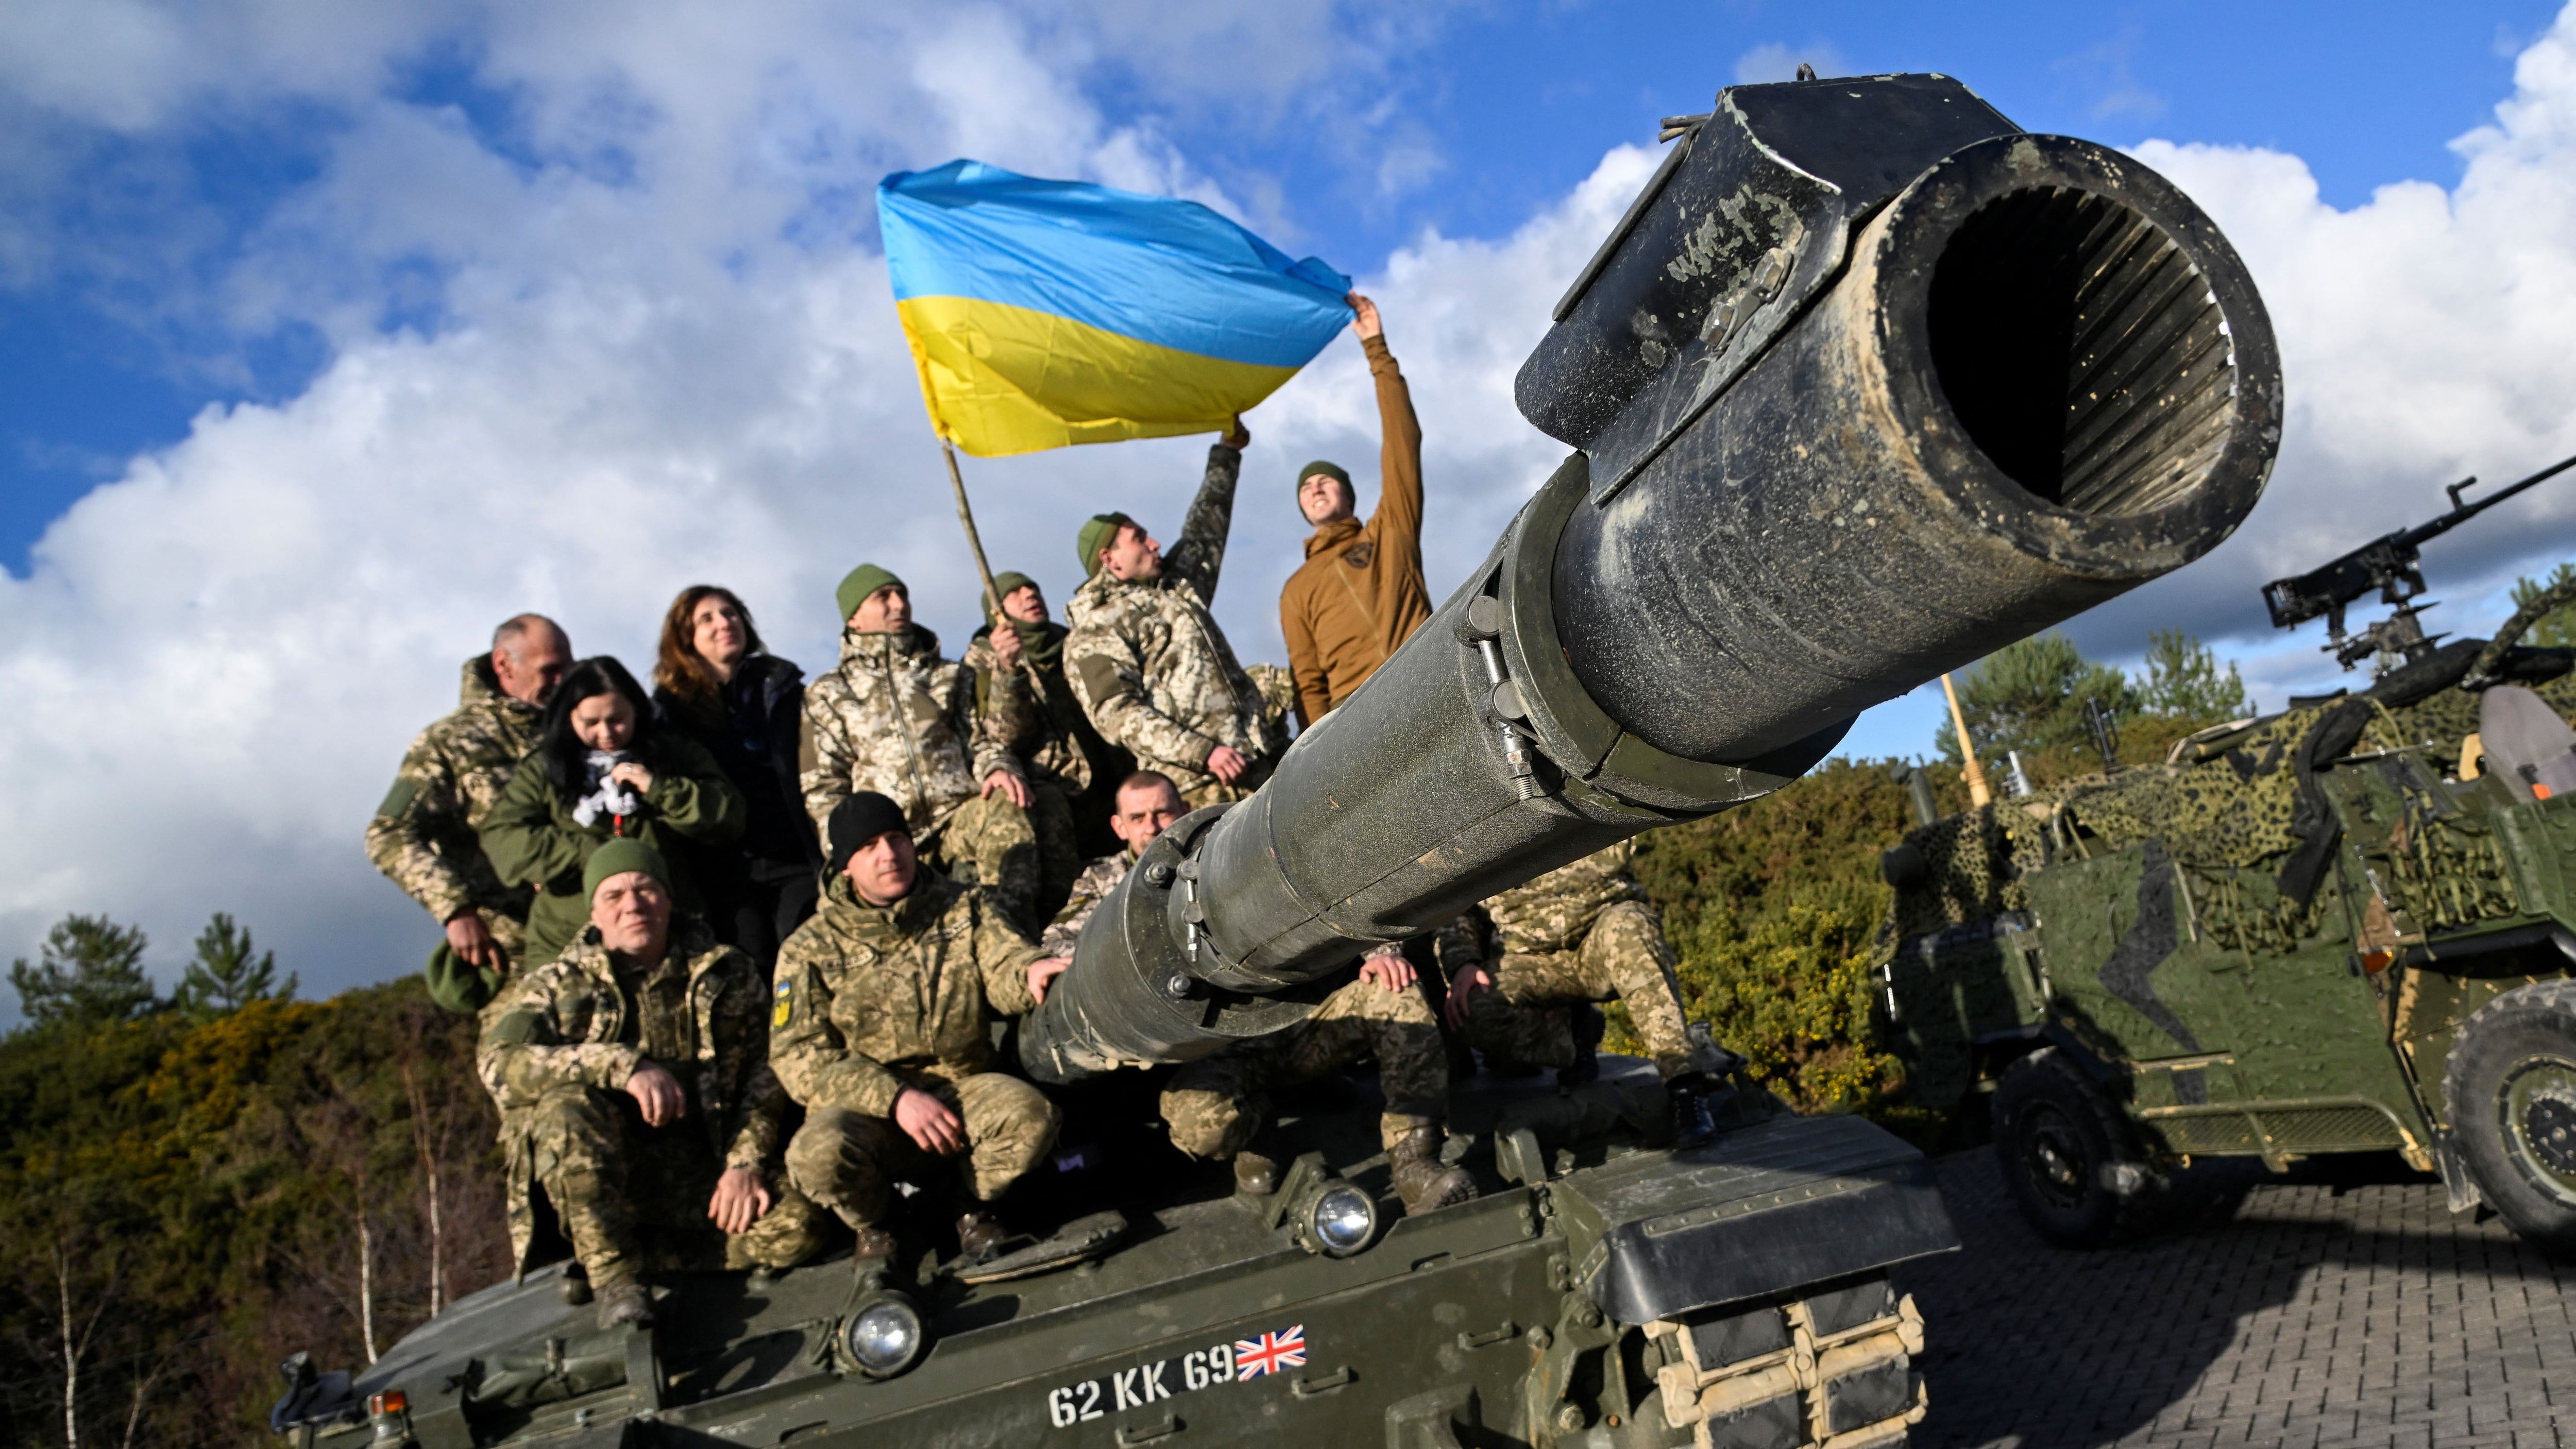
[1005,585]
[618,856]
[1097,535]
[1329,470]
[864,580]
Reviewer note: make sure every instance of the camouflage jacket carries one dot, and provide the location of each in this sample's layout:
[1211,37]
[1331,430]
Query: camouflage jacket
[896,718]
[1031,712]
[423,837]
[1093,886]
[871,999]
[585,1020]
[1552,913]
[1150,665]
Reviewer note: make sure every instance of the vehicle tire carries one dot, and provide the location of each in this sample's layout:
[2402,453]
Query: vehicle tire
[2066,1154]
[2511,1089]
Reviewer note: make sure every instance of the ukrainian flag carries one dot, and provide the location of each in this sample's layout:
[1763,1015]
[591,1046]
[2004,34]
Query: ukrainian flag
[1043,313]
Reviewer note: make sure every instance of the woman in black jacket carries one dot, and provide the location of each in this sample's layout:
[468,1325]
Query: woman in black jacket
[715,684]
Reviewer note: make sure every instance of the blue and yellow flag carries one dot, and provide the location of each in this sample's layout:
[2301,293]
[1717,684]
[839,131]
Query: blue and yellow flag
[1043,313]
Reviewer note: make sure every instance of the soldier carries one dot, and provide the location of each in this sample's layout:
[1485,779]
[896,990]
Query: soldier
[1217,1108]
[1145,805]
[885,1003]
[897,719]
[1582,932]
[1360,592]
[635,1090]
[1023,702]
[424,835]
[1146,658]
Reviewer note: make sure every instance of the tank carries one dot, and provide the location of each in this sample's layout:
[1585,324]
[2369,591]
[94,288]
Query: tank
[2346,927]
[1867,383]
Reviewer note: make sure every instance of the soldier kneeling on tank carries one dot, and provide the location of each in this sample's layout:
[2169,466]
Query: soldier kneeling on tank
[883,1030]
[635,1090]
[1581,933]
[1217,1108]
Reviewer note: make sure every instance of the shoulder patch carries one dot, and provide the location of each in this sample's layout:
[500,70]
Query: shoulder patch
[786,1007]
[516,1029]
[1099,677]
[399,798]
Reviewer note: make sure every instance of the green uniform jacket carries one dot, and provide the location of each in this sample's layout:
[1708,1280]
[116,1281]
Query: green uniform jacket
[530,835]
[873,999]
[573,1022]
[423,837]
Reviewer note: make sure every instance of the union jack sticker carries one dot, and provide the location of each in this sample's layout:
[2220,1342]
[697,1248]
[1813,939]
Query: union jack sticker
[1270,1353]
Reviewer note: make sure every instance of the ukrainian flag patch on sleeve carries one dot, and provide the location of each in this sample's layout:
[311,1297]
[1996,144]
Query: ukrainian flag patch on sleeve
[785,1008]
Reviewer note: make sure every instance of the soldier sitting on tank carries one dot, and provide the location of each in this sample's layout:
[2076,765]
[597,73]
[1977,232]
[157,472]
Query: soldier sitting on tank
[896,719]
[1580,933]
[1023,704]
[633,1078]
[882,1030]
[1217,1108]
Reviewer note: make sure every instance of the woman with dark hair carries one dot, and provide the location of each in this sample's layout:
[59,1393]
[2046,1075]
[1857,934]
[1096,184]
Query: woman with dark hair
[602,770]
[715,684]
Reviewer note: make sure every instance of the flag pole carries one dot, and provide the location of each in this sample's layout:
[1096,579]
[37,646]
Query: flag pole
[974,540]
[1978,794]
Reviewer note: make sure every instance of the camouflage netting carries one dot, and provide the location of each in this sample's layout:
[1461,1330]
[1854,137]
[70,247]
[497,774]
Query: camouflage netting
[2242,812]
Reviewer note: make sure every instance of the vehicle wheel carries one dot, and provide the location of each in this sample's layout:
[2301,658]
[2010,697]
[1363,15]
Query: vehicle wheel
[2511,1086]
[2065,1153]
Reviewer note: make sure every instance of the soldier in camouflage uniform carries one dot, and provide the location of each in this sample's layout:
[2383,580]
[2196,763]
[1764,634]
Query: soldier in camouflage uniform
[1216,1108]
[1147,659]
[423,836]
[897,719]
[635,1090]
[882,1030]
[1023,702]
[1582,932]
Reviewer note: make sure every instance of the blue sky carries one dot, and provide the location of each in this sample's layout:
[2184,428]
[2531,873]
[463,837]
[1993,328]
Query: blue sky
[1505,109]
[331,335]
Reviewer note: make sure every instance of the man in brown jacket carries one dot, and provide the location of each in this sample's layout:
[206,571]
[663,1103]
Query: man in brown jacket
[1360,592]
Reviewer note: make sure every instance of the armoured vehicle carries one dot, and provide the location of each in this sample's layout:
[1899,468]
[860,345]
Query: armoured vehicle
[2346,927]
[1866,383]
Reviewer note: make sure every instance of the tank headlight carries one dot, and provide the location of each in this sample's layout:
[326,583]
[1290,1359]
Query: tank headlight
[886,1336]
[1342,1221]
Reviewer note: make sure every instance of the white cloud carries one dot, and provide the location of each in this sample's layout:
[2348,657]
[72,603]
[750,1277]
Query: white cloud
[661,357]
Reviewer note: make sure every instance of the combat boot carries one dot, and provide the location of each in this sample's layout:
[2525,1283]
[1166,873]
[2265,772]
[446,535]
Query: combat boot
[1692,1123]
[1422,1181]
[1588,1026]
[575,1286]
[1256,1173]
[624,1301]
[980,1235]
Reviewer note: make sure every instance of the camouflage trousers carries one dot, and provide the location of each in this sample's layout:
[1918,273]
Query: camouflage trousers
[633,1199]
[1623,955]
[1215,1106]
[1026,858]
[850,1162]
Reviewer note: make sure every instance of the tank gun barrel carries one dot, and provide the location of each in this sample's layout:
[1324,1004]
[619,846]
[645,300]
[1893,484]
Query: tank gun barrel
[1866,384]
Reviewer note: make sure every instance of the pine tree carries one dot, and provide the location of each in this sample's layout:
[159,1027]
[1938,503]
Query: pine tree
[91,974]
[2030,695]
[2557,628]
[2183,682]
[226,976]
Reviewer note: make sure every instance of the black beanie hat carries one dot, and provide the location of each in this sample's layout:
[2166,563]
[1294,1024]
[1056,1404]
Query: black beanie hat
[862,818]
